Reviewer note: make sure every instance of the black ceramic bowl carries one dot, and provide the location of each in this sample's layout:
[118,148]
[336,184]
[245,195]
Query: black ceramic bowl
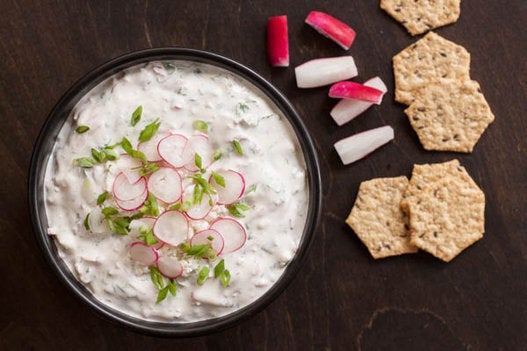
[43,149]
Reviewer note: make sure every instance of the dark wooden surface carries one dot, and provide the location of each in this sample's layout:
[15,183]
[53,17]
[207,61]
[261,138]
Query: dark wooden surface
[342,299]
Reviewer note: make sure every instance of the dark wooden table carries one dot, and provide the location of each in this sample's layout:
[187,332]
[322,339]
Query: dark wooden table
[342,299]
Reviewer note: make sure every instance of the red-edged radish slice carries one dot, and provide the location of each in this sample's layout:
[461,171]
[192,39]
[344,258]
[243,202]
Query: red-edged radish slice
[198,144]
[232,231]
[277,41]
[123,190]
[149,148]
[357,91]
[205,236]
[357,146]
[331,28]
[171,148]
[171,227]
[141,224]
[233,189]
[130,167]
[141,252]
[324,71]
[165,184]
[347,109]
[170,267]
[201,210]
[133,204]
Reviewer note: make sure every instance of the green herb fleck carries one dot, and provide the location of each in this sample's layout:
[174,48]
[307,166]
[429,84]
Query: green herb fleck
[136,115]
[102,197]
[148,168]
[200,125]
[225,278]
[84,162]
[82,129]
[250,189]
[150,206]
[97,155]
[87,222]
[237,147]
[220,267]
[241,108]
[148,132]
[156,278]
[199,162]
[147,236]
[169,67]
[172,287]
[218,179]
[198,251]
[203,275]
[109,211]
[216,155]
[236,210]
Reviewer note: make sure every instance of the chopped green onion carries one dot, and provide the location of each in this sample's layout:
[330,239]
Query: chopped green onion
[237,147]
[250,189]
[136,115]
[198,162]
[102,197]
[220,267]
[216,155]
[97,155]
[200,125]
[84,162]
[162,294]
[148,132]
[236,209]
[172,287]
[225,278]
[109,211]
[156,277]
[82,129]
[218,179]
[203,275]
[87,222]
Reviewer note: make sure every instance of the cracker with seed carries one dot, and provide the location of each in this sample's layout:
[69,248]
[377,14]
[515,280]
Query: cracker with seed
[419,16]
[445,208]
[428,59]
[377,219]
[449,115]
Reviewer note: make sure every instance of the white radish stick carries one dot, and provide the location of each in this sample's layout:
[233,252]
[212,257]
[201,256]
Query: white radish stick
[171,227]
[171,149]
[324,71]
[347,109]
[357,146]
[165,184]
[357,91]
[232,231]
[277,41]
[133,204]
[169,266]
[198,144]
[209,236]
[141,252]
[123,190]
[331,28]
[233,189]
[149,148]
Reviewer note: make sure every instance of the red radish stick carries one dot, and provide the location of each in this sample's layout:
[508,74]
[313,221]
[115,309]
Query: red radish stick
[169,266]
[141,252]
[347,109]
[277,41]
[209,236]
[331,28]
[357,146]
[232,231]
[324,71]
[352,90]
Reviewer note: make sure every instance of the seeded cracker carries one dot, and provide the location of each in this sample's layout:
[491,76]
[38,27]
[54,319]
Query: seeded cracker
[445,207]
[377,219]
[419,16]
[428,59]
[449,115]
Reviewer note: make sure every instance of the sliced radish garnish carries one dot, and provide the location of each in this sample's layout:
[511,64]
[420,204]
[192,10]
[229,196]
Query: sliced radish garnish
[233,189]
[331,28]
[347,109]
[132,204]
[357,91]
[171,148]
[200,210]
[232,231]
[149,148]
[198,144]
[130,167]
[123,190]
[209,236]
[277,41]
[165,184]
[171,227]
[169,266]
[357,146]
[141,224]
[324,71]
[141,252]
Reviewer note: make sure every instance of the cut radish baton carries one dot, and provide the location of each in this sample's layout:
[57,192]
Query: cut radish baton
[347,109]
[123,190]
[331,28]
[324,71]
[198,144]
[209,236]
[233,233]
[233,189]
[277,41]
[141,252]
[165,184]
[149,148]
[170,267]
[357,146]
[132,204]
[171,227]
[352,90]
[171,149]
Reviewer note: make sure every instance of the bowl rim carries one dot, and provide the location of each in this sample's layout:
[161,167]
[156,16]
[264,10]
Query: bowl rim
[42,151]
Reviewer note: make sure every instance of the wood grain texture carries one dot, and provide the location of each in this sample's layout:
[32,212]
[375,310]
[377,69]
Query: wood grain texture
[343,299]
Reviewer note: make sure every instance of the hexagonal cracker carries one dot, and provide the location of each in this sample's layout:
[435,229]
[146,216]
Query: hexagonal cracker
[449,115]
[446,209]
[377,219]
[428,59]
[419,16]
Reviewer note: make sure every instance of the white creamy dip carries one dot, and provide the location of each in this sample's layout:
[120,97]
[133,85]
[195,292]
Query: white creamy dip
[178,93]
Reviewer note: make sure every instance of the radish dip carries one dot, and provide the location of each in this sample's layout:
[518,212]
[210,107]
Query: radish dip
[176,192]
